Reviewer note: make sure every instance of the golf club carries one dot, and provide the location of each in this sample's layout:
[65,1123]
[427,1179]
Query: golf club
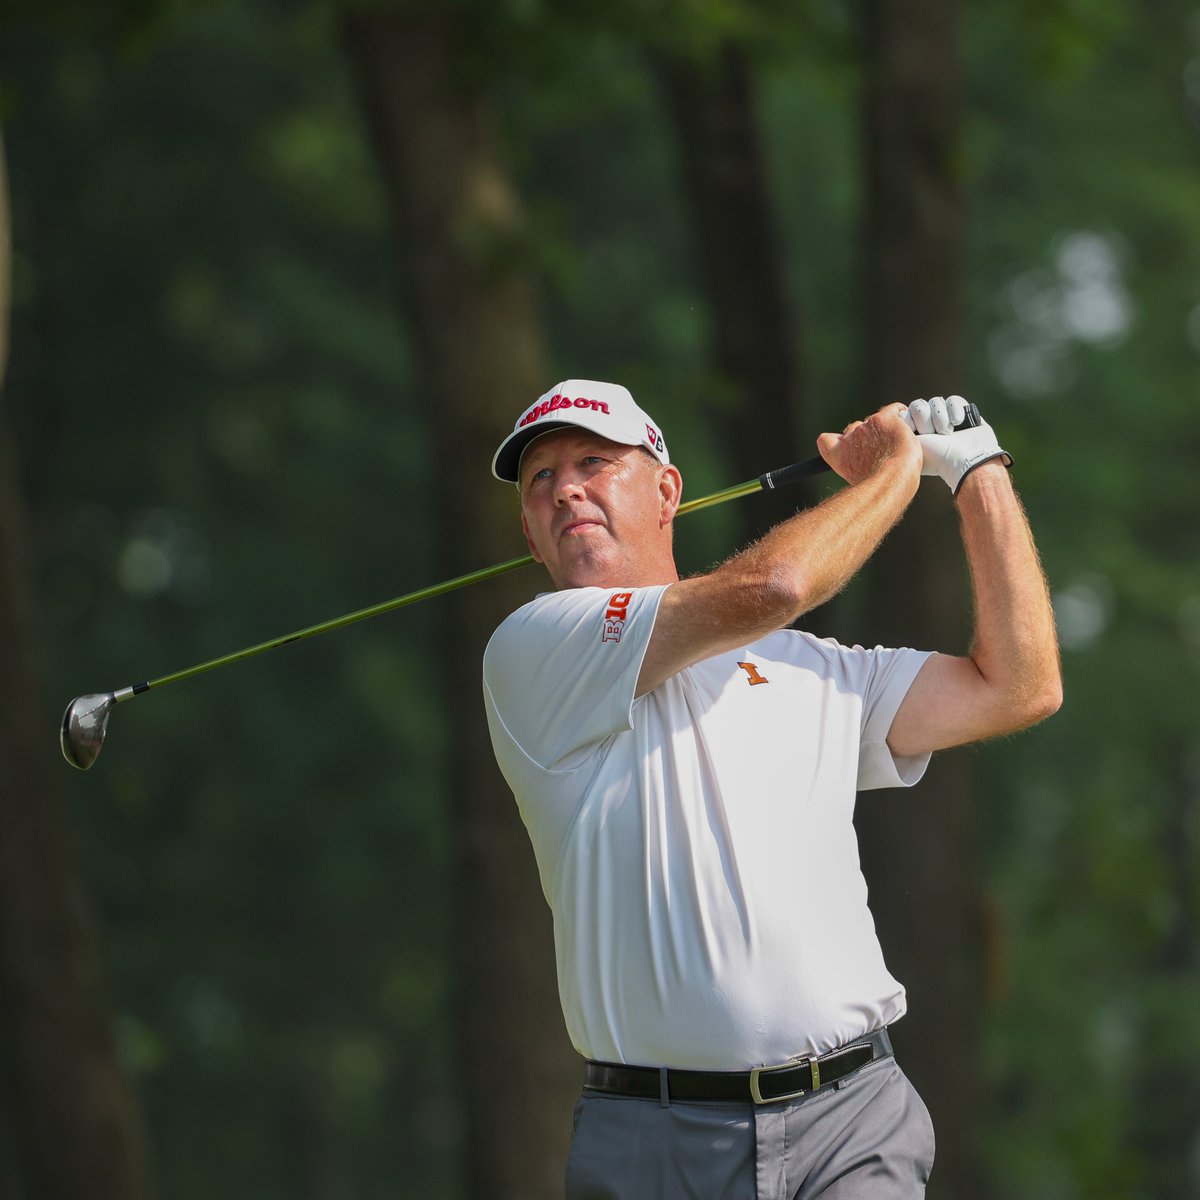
[85,722]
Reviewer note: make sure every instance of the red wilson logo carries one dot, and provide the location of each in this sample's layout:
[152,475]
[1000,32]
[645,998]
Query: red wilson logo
[655,438]
[615,615]
[557,401]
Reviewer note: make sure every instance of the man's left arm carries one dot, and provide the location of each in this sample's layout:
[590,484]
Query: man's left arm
[1011,678]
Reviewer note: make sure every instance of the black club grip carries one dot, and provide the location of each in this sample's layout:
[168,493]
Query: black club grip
[784,476]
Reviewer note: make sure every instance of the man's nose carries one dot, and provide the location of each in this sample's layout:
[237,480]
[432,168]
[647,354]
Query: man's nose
[568,488]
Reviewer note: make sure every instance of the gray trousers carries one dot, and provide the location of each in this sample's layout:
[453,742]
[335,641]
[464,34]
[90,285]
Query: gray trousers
[866,1137]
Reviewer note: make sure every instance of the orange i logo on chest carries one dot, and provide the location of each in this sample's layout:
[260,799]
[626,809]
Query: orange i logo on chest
[752,673]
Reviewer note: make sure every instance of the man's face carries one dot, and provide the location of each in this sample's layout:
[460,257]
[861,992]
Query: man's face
[596,513]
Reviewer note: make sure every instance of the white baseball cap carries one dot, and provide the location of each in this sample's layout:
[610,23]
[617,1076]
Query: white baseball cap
[604,408]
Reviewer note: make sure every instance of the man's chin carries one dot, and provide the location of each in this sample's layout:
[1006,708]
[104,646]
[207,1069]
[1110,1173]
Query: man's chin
[586,571]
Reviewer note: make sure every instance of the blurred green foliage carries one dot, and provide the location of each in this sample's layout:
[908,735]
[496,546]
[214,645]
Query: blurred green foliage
[222,440]
[204,387]
[1087,243]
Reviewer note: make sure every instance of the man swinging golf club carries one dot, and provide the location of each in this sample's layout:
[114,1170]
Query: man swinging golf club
[687,766]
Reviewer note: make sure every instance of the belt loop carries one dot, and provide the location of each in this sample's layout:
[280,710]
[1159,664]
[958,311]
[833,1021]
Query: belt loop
[664,1092]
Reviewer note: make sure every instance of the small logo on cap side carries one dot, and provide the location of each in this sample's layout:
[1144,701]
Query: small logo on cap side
[655,438]
[558,401]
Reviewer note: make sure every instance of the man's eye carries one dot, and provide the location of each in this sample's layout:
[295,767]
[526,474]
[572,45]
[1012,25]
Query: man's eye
[544,473]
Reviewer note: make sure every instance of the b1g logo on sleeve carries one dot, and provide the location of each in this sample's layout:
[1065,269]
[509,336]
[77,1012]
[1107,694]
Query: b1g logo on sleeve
[615,615]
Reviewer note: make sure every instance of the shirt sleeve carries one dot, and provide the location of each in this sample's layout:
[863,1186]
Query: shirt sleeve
[559,675]
[890,675]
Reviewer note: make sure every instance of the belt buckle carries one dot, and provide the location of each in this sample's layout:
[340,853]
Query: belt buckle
[758,1072]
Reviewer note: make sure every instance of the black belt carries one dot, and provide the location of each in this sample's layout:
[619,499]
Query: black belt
[763,1085]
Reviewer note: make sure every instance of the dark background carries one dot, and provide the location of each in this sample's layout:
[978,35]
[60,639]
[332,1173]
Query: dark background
[281,276]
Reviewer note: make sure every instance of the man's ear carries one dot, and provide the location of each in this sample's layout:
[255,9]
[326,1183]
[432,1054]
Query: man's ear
[670,493]
[529,541]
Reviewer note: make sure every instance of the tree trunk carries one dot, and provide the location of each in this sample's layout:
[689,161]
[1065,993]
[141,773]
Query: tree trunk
[757,408]
[920,852]
[466,284]
[70,1127]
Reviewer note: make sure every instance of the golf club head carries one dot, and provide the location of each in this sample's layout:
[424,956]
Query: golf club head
[84,725]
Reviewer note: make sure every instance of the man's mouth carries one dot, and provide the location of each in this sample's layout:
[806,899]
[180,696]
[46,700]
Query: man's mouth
[580,526]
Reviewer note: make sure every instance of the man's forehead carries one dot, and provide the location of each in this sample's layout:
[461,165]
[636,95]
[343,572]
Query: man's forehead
[557,440]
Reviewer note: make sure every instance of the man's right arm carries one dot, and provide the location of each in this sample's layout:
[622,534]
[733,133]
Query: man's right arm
[800,563]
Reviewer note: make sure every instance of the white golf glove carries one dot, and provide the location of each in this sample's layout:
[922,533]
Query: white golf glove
[952,449]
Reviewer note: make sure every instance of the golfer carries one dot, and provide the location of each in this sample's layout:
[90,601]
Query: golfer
[687,766]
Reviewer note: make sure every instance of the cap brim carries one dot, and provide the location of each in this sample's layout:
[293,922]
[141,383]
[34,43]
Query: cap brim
[506,466]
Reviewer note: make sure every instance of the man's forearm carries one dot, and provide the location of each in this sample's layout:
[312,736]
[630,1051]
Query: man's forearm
[821,549]
[798,564]
[1011,678]
[1015,646]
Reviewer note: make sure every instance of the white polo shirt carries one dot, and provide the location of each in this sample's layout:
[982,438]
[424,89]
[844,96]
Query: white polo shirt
[695,844]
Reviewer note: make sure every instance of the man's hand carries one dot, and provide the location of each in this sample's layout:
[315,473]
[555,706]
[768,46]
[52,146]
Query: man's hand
[949,452]
[864,447]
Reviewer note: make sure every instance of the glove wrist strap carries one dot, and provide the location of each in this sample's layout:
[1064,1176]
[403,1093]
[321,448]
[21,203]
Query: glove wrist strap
[1003,455]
